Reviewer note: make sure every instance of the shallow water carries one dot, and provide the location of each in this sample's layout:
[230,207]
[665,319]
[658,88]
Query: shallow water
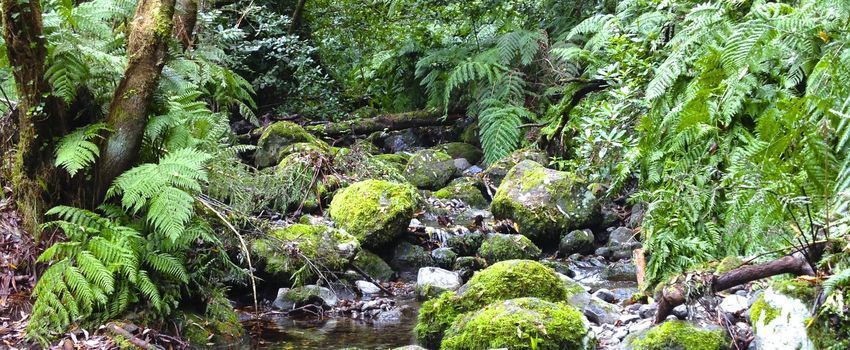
[334,333]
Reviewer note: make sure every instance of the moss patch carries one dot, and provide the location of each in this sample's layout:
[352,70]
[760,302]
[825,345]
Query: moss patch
[729,263]
[524,323]
[330,247]
[373,265]
[500,247]
[374,211]
[465,191]
[680,335]
[762,310]
[461,150]
[430,169]
[796,288]
[275,138]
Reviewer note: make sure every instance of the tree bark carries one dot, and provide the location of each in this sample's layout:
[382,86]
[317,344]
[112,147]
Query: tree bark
[185,20]
[40,118]
[678,293]
[398,121]
[297,16]
[146,48]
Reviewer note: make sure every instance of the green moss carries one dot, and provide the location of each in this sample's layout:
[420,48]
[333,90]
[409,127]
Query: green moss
[500,247]
[430,169]
[374,211]
[275,138]
[728,263]
[464,191]
[332,248]
[461,150]
[373,266]
[395,158]
[524,323]
[762,310]
[495,283]
[466,244]
[680,335]
[796,288]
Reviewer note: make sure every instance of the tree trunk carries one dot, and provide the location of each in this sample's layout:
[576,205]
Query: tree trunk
[678,293]
[40,117]
[297,17]
[146,48]
[384,122]
[184,22]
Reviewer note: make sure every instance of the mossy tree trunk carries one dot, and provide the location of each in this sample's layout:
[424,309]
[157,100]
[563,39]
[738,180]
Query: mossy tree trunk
[398,121]
[185,20]
[128,112]
[40,117]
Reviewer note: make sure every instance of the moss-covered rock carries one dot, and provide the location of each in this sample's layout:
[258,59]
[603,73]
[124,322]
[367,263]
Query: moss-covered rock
[678,335]
[466,244]
[408,257]
[465,190]
[495,283]
[576,241]
[398,160]
[275,138]
[469,135]
[374,211]
[465,266]
[320,244]
[444,257]
[497,171]
[300,167]
[500,247]
[461,150]
[290,299]
[430,169]
[218,326]
[524,323]
[780,320]
[373,265]
[543,202]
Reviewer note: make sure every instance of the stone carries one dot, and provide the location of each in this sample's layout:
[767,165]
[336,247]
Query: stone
[472,171]
[374,211]
[576,242]
[461,164]
[444,257]
[374,266]
[367,288]
[430,169]
[620,271]
[734,304]
[464,189]
[601,312]
[605,295]
[623,294]
[431,281]
[621,235]
[402,141]
[543,202]
[677,335]
[681,312]
[498,325]
[461,150]
[636,217]
[559,267]
[498,170]
[466,244]
[289,299]
[779,321]
[320,244]
[409,257]
[648,310]
[465,266]
[275,138]
[500,247]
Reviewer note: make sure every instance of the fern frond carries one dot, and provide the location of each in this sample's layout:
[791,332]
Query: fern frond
[76,151]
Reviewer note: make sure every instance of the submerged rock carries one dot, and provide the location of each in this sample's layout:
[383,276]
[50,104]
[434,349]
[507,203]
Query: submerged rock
[500,247]
[543,202]
[275,138]
[577,241]
[316,244]
[374,211]
[373,265]
[289,299]
[516,323]
[498,170]
[430,169]
[678,335]
[431,281]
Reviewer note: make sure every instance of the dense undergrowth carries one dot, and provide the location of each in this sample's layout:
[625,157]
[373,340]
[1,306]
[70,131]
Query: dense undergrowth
[726,120]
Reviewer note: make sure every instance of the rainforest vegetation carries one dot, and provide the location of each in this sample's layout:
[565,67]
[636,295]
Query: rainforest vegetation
[529,174]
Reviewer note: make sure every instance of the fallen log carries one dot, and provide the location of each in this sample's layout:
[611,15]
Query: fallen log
[397,121]
[697,285]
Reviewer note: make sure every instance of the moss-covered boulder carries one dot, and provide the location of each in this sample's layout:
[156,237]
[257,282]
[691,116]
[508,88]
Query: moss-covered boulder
[461,150]
[495,283]
[500,247]
[430,169]
[444,257]
[543,202]
[576,241]
[464,190]
[780,316]
[374,211]
[299,168]
[275,138]
[396,160]
[524,323]
[466,266]
[409,258]
[678,335]
[466,244]
[373,265]
[315,244]
[497,171]
[289,299]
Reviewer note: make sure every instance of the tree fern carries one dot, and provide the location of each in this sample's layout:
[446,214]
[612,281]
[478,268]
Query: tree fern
[500,130]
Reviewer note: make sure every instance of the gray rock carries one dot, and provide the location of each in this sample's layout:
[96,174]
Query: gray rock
[367,288]
[400,142]
[472,171]
[681,312]
[628,319]
[289,299]
[606,295]
[787,328]
[734,304]
[373,265]
[430,169]
[622,294]
[431,281]
[621,271]
[408,257]
[466,266]
[466,244]
[600,312]
[461,164]
[621,235]
[500,247]
[648,310]
[576,241]
[637,215]
[603,252]
[497,171]
[444,257]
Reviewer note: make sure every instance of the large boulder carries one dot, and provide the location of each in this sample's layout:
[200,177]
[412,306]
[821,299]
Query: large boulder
[465,190]
[523,323]
[275,138]
[462,150]
[500,247]
[373,265]
[779,318]
[431,281]
[315,244]
[374,211]
[430,169]
[673,335]
[495,283]
[543,202]
[289,299]
[620,271]
[497,171]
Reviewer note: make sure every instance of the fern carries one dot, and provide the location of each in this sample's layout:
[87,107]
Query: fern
[500,130]
[76,151]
